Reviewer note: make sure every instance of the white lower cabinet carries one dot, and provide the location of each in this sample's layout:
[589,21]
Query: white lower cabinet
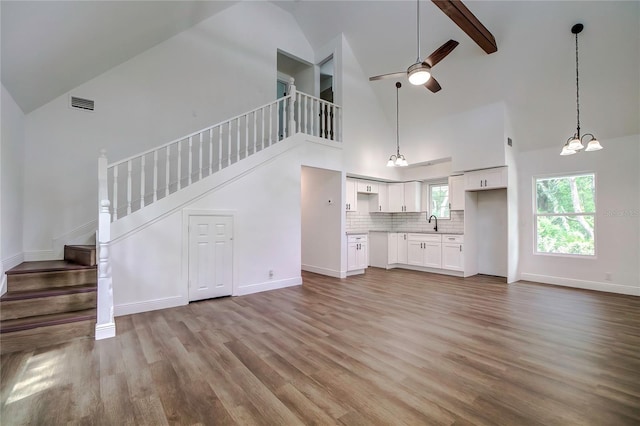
[452,252]
[425,250]
[403,247]
[392,248]
[357,256]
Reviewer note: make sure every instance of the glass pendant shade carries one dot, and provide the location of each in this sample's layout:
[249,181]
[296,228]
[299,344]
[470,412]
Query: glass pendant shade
[575,144]
[391,162]
[566,150]
[593,145]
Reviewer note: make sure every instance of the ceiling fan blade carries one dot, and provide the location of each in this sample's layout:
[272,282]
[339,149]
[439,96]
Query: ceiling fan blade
[392,75]
[432,85]
[440,53]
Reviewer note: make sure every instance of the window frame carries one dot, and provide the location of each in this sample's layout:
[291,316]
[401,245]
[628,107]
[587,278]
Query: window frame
[429,185]
[534,197]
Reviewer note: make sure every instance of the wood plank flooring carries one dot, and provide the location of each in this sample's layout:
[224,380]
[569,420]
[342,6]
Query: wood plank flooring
[389,347]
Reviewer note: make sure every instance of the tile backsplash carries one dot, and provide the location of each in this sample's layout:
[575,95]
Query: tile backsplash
[409,222]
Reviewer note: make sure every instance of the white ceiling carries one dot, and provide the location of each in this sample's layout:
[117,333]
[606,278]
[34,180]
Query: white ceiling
[50,47]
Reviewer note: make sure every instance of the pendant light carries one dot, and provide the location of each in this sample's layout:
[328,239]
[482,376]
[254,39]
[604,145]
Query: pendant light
[397,159]
[575,143]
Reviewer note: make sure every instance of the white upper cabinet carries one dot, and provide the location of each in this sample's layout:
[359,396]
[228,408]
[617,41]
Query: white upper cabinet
[456,192]
[404,197]
[380,202]
[367,187]
[481,180]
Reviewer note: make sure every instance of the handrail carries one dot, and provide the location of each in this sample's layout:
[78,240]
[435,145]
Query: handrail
[190,135]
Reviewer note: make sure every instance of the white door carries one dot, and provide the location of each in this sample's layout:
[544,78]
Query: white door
[210,256]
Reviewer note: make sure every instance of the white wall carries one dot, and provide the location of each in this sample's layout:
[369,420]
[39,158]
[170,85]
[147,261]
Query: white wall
[369,137]
[321,220]
[491,232]
[150,263]
[209,73]
[617,169]
[11,184]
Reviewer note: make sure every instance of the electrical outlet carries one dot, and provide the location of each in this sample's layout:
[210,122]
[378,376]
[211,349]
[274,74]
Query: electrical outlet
[607,276]
[270,273]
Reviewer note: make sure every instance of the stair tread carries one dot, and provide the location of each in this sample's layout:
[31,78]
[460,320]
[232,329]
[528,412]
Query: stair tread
[27,323]
[50,292]
[46,266]
[84,247]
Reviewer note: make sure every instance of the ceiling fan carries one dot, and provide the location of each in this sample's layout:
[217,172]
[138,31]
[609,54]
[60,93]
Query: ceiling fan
[420,72]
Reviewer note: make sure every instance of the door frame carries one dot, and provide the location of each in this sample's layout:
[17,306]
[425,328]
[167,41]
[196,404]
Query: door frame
[184,274]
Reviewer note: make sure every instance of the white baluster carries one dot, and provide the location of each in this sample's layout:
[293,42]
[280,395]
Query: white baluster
[167,170]
[238,139]
[229,151]
[155,176]
[129,187]
[270,123]
[190,159]
[200,159]
[306,117]
[115,192]
[210,151]
[142,181]
[299,102]
[220,148]
[262,132]
[179,182]
[255,132]
[246,135]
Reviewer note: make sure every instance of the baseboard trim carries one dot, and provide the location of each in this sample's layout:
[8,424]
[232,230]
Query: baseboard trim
[586,285]
[149,305]
[105,331]
[321,271]
[269,285]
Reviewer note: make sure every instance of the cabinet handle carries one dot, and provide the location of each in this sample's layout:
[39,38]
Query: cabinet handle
[460,248]
[405,236]
[379,208]
[449,206]
[451,238]
[480,183]
[485,183]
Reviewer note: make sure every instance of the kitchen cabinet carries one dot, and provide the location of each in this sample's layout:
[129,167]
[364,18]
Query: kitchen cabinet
[352,196]
[392,248]
[452,252]
[403,247]
[379,203]
[456,192]
[424,250]
[404,197]
[481,180]
[357,257]
[367,187]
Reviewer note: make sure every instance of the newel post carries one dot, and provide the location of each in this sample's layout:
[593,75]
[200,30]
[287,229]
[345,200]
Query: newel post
[105,324]
[292,107]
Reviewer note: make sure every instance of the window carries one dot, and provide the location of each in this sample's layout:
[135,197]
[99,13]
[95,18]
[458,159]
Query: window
[565,215]
[439,200]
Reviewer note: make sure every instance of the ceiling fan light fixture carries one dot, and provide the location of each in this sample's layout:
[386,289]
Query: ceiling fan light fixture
[419,73]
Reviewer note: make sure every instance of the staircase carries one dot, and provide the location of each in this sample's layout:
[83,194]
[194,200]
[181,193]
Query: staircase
[49,302]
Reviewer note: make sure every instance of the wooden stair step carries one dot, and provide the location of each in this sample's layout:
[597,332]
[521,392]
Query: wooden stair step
[46,330]
[49,273]
[20,304]
[21,324]
[80,254]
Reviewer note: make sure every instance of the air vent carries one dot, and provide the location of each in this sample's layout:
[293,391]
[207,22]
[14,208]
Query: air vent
[84,104]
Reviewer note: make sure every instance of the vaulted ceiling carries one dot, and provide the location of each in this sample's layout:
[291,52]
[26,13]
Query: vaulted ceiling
[50,47]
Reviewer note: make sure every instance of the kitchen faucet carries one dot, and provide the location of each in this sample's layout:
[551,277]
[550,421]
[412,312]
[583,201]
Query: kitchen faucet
[435,228]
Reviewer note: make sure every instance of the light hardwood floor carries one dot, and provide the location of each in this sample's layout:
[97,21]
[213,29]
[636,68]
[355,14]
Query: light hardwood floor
[390,347]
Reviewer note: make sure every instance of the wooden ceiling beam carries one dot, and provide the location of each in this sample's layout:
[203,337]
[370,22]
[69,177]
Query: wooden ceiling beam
[468,23]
